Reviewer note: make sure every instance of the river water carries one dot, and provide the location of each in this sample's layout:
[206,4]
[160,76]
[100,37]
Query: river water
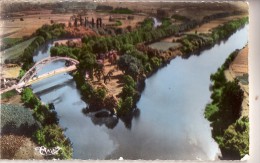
[170,125]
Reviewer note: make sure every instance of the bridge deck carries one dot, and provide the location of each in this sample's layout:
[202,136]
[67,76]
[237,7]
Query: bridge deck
[41,77]
[50,74]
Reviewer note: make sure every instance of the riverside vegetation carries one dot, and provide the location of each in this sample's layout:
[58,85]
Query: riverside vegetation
[50,134]
[136,62]
[230,130]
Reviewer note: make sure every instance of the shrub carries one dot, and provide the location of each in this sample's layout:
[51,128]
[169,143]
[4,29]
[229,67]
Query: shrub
[8,95]
[52,136]
[235,142]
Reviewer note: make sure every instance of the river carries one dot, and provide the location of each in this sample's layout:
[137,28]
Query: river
[171,124]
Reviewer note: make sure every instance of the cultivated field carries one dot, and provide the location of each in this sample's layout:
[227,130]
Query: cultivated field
[32,20]
[15,51]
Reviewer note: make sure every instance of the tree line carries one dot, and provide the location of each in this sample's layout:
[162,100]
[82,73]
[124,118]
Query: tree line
[196,42]
[229,130]
[43,34]
[50,134]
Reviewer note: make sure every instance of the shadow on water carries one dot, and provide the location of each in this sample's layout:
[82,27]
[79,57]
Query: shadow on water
[107,118]
[56,86]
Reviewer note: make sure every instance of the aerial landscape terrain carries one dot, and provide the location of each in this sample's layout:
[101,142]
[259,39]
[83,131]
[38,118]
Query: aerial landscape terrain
[124,80]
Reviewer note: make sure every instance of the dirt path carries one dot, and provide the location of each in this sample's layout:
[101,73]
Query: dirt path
[115,85]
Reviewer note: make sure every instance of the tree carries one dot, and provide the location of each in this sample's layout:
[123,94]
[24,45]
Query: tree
[52,136]
[231,101]
[87,61]
[130,65]
[128,80]
[125,106]
[235,144]
[156,62]
[27,94]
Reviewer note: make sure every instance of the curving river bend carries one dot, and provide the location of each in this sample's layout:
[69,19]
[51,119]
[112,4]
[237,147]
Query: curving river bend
[171,124]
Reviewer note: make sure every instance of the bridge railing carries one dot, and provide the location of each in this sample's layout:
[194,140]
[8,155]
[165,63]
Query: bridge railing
[40,64]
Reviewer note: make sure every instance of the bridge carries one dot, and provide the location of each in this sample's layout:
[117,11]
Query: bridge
[30,77]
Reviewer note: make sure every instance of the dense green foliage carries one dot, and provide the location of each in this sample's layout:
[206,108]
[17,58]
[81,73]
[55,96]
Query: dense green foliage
[145,33]
[53,136]
[180,17]
[50,135]
[134,62]
[65,51]
[43,34]
[21,73]
[194,42]
[128,96]
[118,23]
[130,65]
[223,113]
[122,10]
[16,119]
[9,42]
[166,22]
[228,28]
[42,113]
[8,94]
[235,142]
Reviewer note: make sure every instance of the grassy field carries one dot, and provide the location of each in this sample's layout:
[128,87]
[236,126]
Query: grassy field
[15,51]
[164,45]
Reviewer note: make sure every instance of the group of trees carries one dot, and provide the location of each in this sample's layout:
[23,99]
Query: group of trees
[134,63]
[224,31]
[50,134]
[43,34]
[145,33]
[129,96]
[65,51]
[194,42]
[224,112]
[122,10]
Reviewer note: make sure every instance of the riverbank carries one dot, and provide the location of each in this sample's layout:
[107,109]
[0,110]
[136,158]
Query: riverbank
[239,69]
[230,125]
[50,134]
[151,60]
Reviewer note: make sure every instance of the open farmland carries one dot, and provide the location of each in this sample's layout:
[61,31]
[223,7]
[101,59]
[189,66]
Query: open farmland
[207,27]
[124,71]
[15,51]
[31,22]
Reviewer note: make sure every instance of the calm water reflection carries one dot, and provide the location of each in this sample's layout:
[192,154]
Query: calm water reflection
[171,124]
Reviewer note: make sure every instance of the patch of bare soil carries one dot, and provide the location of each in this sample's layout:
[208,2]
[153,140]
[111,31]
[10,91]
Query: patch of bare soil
[114,86]
[240,64]
[29,21]
[16,99]
[9,71]
[18,147]
[27,151]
